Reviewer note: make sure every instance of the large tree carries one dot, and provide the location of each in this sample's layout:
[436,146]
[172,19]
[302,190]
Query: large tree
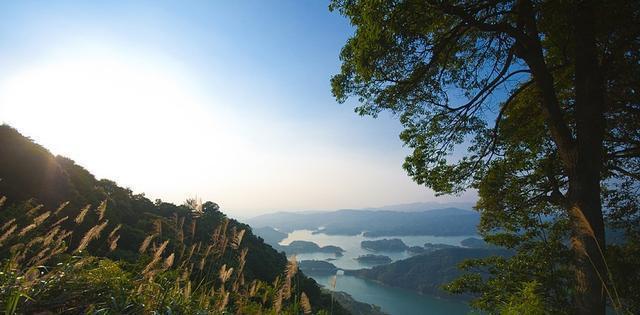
[539,97]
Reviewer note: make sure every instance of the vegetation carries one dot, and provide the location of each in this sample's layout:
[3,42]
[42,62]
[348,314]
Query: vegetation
[355,307]
[108,251]
[373,259]
[317,267]
[270,235]
[540,99]
[426,273]
[302,247]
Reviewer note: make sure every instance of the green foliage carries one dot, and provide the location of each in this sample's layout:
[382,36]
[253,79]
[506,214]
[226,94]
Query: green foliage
[40,274]
[492,96]
[75,259]
[427,273]
[527,302]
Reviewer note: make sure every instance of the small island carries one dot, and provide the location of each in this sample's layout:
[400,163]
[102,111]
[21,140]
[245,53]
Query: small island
[384,245]
[317,267]
[305,247]
[371,259]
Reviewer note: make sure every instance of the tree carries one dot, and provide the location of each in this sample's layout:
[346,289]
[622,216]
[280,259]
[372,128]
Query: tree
[210,207]
[540,98]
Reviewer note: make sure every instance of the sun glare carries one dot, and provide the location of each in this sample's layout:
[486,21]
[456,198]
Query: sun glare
[145,125]
[133,119]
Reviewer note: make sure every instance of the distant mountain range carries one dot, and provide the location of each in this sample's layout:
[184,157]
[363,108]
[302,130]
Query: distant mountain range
[423,206]
[373,223]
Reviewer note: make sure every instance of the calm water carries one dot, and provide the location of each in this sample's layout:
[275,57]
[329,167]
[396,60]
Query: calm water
[394,301]
[351,244]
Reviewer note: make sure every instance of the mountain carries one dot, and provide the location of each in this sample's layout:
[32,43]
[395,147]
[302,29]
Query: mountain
[116,271]
[423,206]
[443,222]
[270,235]
[425,273]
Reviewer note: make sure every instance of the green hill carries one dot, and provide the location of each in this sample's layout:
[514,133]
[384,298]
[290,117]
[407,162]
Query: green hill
[425,273]
[190,248]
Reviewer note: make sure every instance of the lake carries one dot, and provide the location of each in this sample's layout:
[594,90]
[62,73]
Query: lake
[351,244]
[395,301]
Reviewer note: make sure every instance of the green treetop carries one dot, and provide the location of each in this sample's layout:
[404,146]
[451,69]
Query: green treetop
[540,99]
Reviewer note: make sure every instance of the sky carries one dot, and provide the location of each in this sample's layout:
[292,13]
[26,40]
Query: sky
[229,101]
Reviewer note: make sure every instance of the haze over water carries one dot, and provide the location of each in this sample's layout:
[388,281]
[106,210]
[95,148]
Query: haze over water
[395,301]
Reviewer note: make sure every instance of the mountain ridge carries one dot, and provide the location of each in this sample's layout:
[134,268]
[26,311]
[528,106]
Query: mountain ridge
[31,175]
[443,222]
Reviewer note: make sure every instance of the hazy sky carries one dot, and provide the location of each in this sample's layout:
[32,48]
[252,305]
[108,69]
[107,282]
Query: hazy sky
[229,100]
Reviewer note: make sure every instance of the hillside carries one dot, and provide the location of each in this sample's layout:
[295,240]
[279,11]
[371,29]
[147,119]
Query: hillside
[442,222]
[269,235]
[425,273]
[355,307]
[155,246]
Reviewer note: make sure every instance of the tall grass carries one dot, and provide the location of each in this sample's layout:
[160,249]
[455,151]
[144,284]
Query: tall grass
[172,275]
[607,283]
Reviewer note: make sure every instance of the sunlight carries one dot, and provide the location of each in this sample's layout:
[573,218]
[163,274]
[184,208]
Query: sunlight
[126,120]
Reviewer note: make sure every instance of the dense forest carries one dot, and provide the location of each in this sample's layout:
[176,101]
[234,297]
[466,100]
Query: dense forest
[70,243]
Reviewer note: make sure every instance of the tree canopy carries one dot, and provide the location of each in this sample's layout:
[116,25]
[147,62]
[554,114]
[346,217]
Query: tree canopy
[532,103]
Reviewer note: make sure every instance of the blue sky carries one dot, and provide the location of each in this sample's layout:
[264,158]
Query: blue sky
[227,100]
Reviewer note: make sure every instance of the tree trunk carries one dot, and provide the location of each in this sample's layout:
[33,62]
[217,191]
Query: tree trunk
[580,152]
[585,206]
[588,247]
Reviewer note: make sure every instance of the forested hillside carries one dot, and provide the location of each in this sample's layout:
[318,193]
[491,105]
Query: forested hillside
[74,244]
[426,273]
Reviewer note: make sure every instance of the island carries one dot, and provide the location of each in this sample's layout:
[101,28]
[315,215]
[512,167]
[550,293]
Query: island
[384,245]
[305,247]
[317,267]
[373,259]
